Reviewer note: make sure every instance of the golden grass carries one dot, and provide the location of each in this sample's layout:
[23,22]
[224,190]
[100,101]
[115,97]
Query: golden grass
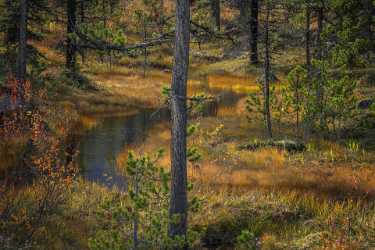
[329,172]
[238,84]
[332,170]
[286,220]
[235,66]
[338,183]
[52,55]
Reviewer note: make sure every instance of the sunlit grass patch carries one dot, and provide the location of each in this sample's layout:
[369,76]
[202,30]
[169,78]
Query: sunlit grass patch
[325,169]
[286,221]
[237,65]
[52,55]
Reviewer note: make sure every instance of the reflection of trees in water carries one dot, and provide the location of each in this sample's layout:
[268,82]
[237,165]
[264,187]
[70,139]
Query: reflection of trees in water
[228,98]
[100,147]
[137,126]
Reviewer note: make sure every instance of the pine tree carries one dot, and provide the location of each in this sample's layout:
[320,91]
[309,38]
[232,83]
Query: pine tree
[253,36]
[215,8]
[267,72]
[178,203]
[22,50]
[71,47]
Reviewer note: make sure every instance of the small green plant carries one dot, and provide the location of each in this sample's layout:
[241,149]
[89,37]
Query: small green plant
[353,146]
[254,103]
[246,240]
[139,218]
[295,93]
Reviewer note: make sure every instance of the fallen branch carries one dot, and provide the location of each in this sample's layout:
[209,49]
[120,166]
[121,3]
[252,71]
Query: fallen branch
[89,43]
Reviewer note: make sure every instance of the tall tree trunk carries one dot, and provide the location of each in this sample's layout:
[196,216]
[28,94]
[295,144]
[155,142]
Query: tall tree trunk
[369,5]
[71,47]
[308,118]
[9,33]
[83,19]
[319,43]
[145,49]
[112,5]
[215,8]
[22,48]
[178,202]
[162,17]
[319,55]
[253,36]
[244,7]
[267,73]
[136,220]
[308,39]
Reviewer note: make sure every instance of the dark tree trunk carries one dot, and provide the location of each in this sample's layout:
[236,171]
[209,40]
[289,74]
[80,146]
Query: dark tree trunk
[244,7]
[308,118]
[22,48]
[10,33]
[308,39]
[82,21]
[145,49]
[267,72]
[112,5]
[319,55]
[162,17]
[215,7]
[11,36]
[71,48]
[104,13]
[82,13]
[253,36]
[369,23]
[178,202]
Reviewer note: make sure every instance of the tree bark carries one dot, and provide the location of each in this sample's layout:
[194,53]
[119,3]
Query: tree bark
[308,39]
[215,8]
[82,21]
[308,118]
[178,202]
[369,22]
[22,48]
[9,36]
[319,55]
[267,72]
[71,47]
[162,17]
[253,37]
[145,48]
[244,7]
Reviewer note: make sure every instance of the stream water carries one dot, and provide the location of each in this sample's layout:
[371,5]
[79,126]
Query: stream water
[100,146]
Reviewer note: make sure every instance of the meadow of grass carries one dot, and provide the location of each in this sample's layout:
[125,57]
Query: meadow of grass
[266,199]
[322,198]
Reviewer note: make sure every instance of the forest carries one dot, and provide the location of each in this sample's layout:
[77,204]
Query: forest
[187,124]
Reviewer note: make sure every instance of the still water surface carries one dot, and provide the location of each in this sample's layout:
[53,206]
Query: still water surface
[100,146]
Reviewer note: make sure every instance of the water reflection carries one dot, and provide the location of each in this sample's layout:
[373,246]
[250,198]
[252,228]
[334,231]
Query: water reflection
[100,146]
